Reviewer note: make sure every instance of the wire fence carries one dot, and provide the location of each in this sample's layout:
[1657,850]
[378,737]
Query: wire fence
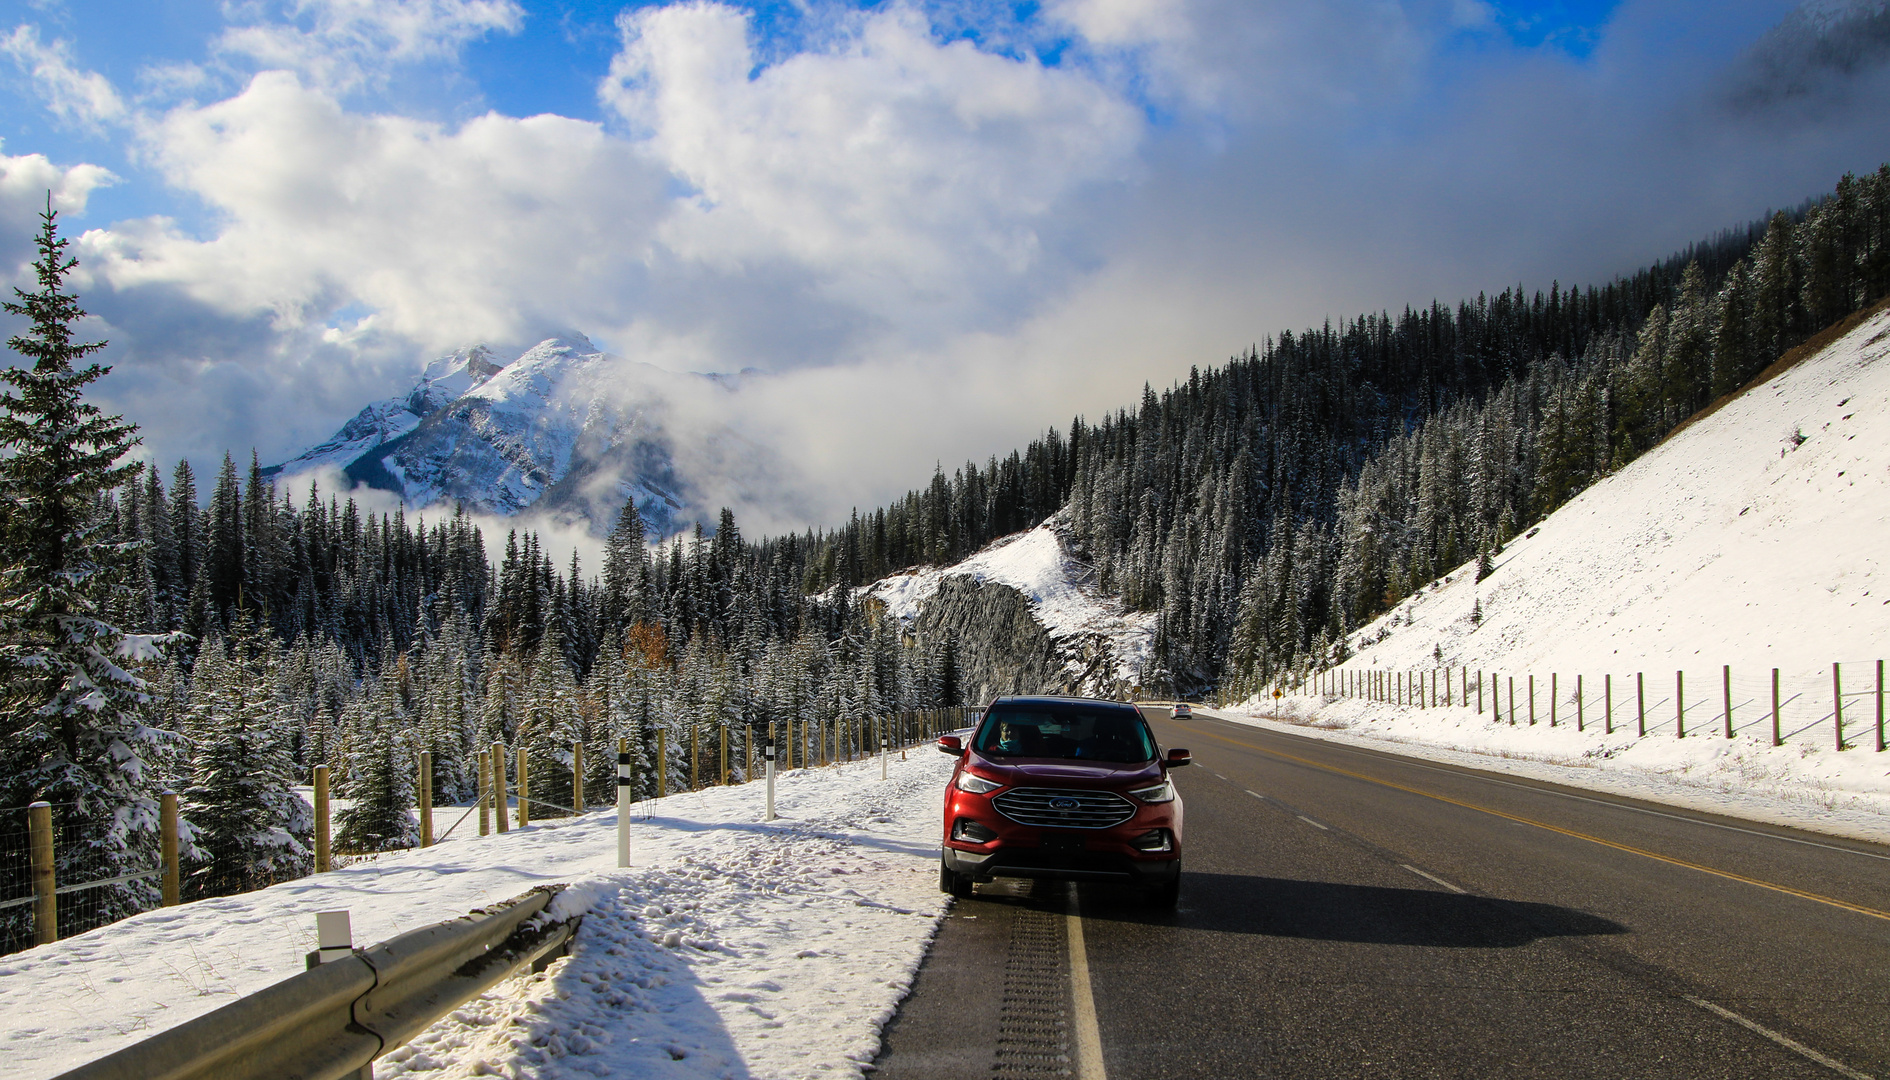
[63,873]
[1841,706]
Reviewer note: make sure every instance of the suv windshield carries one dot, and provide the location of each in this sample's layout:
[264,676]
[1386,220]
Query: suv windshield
[1056,731]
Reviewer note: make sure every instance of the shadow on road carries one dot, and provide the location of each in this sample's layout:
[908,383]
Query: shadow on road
[1366,914]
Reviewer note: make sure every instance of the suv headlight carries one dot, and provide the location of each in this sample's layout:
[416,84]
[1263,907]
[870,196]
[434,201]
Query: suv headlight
[976,784]
[1162,792]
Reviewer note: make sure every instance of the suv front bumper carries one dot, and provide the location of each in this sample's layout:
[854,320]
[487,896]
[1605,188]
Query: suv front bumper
[1060,865]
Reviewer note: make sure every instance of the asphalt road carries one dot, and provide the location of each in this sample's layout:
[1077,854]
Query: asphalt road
[1346,913]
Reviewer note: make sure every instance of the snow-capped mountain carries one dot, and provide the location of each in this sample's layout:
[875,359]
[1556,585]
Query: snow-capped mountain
[564,428]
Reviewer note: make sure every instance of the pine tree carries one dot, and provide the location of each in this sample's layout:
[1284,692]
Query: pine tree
[72,728]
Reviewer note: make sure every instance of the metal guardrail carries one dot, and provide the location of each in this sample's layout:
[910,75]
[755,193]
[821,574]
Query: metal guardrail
[332,1021]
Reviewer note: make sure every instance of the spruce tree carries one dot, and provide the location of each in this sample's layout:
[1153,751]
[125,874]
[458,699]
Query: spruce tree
[72,729]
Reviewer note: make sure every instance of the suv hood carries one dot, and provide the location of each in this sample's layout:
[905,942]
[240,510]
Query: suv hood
[1063,771]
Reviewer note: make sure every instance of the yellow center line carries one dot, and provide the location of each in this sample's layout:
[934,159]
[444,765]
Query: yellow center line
[1670,860]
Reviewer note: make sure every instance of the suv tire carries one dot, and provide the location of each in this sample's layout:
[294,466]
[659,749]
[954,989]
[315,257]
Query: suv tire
[1166,896]
[950,881]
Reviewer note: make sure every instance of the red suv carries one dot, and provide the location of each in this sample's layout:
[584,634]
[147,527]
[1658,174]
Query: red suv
[1067,788]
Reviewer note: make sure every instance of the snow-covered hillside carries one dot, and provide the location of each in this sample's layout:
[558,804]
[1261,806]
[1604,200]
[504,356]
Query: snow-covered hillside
[1100,646]
[731,947]
[564,428]
[1754,539]
[1757,537]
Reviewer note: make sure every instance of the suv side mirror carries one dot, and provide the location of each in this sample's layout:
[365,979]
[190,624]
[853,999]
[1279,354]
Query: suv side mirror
[951,744]
[1178,758]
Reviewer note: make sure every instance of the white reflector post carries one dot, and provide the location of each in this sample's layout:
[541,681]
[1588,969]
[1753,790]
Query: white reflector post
[882,754]
[767,754]
[334,936]
[623,808]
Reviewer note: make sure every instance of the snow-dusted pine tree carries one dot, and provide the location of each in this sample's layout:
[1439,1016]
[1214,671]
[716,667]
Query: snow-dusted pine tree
[72,725]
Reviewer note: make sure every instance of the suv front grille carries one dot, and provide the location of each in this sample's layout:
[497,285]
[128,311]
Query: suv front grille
[1064,808]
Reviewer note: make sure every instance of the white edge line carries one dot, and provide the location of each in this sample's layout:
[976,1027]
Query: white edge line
[1255,794]
[1309,821]
[1435,878]
[1089,1058]
[1785,1041]
[1470,772]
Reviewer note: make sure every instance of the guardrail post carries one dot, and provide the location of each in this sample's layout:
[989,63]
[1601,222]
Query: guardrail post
[501,812]
[426,798]
[45,880]
[1725,676]
[1837,706]
[524,788]
[323,850]
[167,846]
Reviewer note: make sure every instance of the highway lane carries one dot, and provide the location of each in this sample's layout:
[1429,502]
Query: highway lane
[1351,913]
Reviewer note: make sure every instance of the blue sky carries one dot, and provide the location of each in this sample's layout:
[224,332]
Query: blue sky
[1013,212]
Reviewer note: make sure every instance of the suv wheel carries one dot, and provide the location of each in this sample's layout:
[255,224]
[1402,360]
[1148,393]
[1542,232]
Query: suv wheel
[950,881]
[1164,897]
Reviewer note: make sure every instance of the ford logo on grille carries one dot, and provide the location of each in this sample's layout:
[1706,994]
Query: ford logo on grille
[1064,804]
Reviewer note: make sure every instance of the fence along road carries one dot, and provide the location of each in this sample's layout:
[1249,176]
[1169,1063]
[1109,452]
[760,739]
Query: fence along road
[1351,913]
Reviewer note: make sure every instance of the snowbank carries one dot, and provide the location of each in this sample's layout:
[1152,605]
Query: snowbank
[731,948]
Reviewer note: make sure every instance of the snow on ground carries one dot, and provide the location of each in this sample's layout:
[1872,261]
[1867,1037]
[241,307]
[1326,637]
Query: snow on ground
[731,947]
[1060,589]
[1755,539]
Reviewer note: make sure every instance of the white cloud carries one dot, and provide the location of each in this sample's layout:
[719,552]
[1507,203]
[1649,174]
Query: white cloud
[908,176]
[84,99]
[341,44]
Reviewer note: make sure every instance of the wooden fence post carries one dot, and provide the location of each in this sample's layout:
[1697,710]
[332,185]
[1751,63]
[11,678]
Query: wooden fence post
[1555,690]
[1725,679]
[1479,691]
[1880,706]
[45,880]
[1679,704]
[1837,706]
[500,804]
[662,762]
[1640,703]
[1580,720]
[1532,701]
[485,793]
[1607,712]
[1777,740]
[577,777]
[1512,701]
[524,787]
[167,847]
[323,852]
[725,777]
[426,798]
[695,746]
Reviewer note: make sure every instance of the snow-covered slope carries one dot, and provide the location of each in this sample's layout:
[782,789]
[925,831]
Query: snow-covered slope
[1754,539]
[1757,537]
[1100,645]
[564,428]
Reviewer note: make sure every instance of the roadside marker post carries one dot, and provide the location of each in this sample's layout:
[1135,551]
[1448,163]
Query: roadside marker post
[623,807]
[334,938]
[767,764]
